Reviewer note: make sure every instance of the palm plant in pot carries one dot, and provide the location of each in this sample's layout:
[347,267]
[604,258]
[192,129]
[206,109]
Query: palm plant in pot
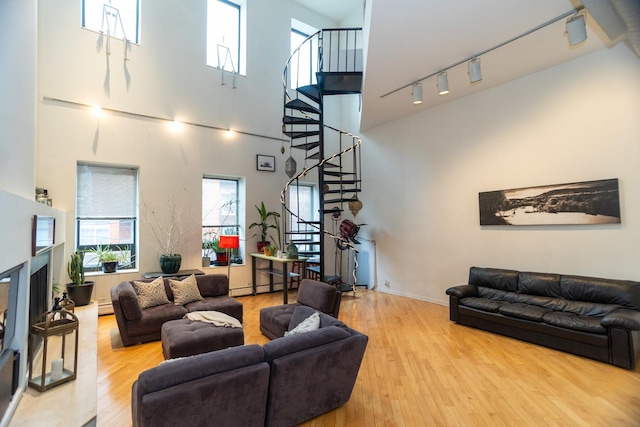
[108,258]
[264,225]
[79,290]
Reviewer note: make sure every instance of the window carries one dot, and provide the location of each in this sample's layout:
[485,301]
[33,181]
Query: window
[220,206]
[106,212]
[304,65]
[118,18]
[303,201]
[226,35]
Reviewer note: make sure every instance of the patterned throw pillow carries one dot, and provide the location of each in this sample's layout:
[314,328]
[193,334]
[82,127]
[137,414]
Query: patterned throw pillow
[309,324]
[185,291]
[151,294]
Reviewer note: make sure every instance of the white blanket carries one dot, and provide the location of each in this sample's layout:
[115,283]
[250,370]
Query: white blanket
[215,317]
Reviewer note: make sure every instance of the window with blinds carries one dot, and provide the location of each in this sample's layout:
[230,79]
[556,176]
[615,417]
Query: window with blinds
[107,212]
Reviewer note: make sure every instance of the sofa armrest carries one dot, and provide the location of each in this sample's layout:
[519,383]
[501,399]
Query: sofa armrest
[126,298]
[463,291]
[622,317]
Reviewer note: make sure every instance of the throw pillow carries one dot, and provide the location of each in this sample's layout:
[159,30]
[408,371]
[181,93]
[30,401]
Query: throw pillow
[185,291]
[309,324]
[151,294]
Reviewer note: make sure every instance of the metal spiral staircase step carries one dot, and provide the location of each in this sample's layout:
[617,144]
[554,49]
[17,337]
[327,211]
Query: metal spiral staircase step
[343,190]
[300,105]
[302,134]
[311,92]
[293,120]
[307,146]
[338,173]
[342,181]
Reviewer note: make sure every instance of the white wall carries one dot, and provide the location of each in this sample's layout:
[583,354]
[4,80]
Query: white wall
[574,122]
[165,77]
[17,104]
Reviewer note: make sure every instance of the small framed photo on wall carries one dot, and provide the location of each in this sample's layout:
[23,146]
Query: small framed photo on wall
[266,163]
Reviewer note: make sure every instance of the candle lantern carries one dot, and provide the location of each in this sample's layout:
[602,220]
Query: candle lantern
[53,349]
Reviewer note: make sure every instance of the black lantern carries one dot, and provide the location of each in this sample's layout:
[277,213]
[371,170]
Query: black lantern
[53,349]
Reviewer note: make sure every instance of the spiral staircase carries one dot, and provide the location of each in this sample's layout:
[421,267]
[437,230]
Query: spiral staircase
[331,155]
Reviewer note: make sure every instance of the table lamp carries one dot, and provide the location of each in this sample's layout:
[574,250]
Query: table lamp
[228,243]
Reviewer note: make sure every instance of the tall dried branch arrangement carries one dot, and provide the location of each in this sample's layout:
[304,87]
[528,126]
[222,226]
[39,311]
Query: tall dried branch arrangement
[167,224]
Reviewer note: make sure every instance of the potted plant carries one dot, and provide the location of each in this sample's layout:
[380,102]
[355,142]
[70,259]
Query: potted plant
[79,290]
[207,248]
[264,226]
[108,258]
[221,254]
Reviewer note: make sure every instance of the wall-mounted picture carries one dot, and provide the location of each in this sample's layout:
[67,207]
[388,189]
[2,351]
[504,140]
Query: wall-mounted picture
[266,163]
[590,202]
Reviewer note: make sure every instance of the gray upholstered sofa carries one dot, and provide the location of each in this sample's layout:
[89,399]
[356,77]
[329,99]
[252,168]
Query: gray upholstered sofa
[591,317]
[285,382]
[325,298]
[137,325]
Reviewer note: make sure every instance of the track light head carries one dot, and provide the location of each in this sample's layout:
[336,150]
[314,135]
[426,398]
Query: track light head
[416,92]
[443,83]
[576,29]
[475,74]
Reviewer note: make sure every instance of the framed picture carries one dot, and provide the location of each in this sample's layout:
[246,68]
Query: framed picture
[266,163]
[589,202]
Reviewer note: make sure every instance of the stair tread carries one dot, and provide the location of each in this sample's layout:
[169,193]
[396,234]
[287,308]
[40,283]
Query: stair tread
[340,200]
[298,104]
[310,91]
[343,190]
[340,83]
[301,134]
[344,181]
[293,120]
[338,173]
[306,146]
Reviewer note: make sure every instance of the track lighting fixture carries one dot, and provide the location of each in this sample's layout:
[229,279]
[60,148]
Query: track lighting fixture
[443,83]
[416,91]
[576,29]
[475,75]
[576,33]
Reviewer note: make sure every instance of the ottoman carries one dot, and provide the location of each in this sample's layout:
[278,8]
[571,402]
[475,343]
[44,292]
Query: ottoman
[184,337]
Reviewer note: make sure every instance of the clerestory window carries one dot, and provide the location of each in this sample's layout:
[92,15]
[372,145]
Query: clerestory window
[226,35]
[116,18]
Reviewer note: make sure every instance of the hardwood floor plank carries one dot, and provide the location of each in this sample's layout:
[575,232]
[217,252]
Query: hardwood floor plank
[420,369]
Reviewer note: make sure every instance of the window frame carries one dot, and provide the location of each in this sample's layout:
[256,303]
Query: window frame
[212,55]
[136,39]
[91,263]
[238,226]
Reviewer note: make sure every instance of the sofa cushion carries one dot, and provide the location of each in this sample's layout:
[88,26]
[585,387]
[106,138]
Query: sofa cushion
[497,294]
[309,324]
[575,322]
[505,280]
[544,284]
[185,291]
[150,294]
[154,317]
[484,304]
[625,293]
[318,295]
[523,311]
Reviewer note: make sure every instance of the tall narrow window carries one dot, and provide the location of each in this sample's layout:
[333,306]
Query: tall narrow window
[304,62]
[220,207]
[106,212]
[303,201]
[226,35]
[116,18]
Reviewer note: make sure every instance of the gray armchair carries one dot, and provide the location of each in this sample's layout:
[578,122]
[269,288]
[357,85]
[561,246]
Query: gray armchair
[274,321]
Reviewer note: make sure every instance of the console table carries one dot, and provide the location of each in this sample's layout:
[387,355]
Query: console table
[271,271]
[156,274]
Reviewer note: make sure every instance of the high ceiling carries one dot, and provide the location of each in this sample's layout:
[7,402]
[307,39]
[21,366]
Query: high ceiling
[411,39]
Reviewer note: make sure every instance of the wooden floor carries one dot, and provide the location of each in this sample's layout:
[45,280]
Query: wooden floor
[420,370]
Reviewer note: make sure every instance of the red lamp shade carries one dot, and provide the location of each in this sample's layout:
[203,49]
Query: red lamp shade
[229,242]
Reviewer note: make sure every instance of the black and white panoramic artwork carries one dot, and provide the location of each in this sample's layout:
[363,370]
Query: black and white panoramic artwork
[590,202]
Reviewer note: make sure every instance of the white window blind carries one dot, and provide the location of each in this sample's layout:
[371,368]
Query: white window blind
[106,192]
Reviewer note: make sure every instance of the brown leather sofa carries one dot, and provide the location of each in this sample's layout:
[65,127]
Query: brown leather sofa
[591,317]
[285,382]
[137,325]
[325,298]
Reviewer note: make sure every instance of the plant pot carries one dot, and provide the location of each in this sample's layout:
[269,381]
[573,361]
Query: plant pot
[222,258]
[206,261]
[262,244]
[170,264]
[80,294]
[110,267]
